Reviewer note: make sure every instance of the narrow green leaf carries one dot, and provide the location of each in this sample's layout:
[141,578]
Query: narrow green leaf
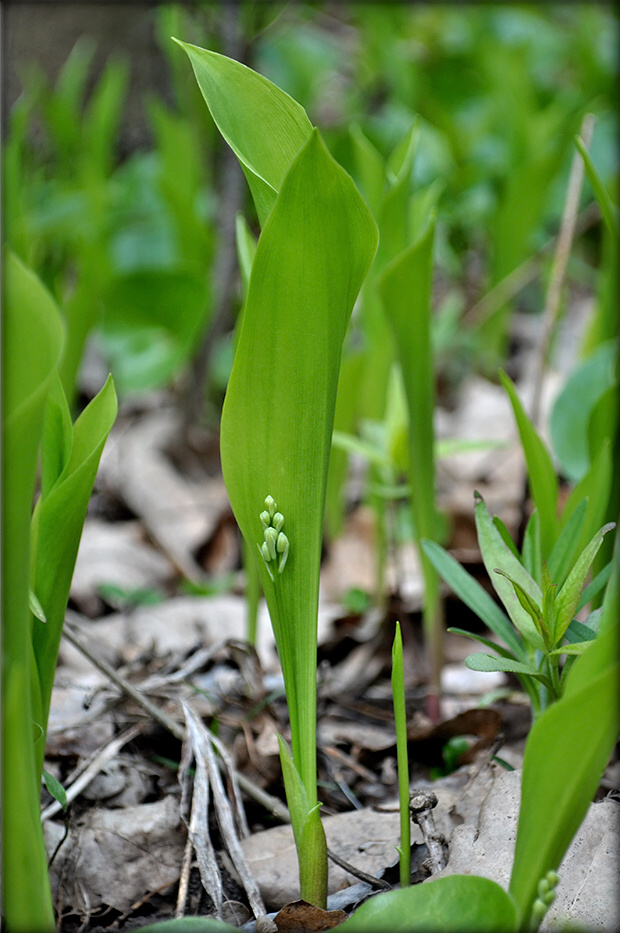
[594,587]
[568,598]
[540,470]
[577,631]
[402,754]
[609,210]
[262,124]
[595,487]
[496,555]
[503,652]
[473,595]
[565,548]
[486,662]
[534,611]
[506,535]
[453,904]
[532,553]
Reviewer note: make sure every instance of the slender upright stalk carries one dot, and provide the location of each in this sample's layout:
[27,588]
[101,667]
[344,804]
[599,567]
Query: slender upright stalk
[402,756]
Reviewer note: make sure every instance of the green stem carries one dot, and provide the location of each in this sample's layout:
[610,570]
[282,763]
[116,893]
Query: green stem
[402,756]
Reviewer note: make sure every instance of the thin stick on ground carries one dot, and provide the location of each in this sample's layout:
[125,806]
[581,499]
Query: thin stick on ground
[560,262]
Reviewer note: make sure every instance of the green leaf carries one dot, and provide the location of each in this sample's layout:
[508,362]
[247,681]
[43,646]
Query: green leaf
[473,595]
[532,557]
[533,609]
[312,256]
[609,210]
[35,607]
[558,785]
[496,555]
[568,597]
[404,287]
[152,322]
[55,788]
[571,412]
[402,756]
[565,548]
[577,631]
[31,345]
[57,435]
[506,534]
[577,648]
[595,487]
[540,470]
[483,641]
[595,586]
[307,830]
[453,904]
[56,531]
[487,663]
[264,127]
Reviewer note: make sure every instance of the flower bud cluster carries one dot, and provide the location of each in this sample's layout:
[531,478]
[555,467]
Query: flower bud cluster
[275,546]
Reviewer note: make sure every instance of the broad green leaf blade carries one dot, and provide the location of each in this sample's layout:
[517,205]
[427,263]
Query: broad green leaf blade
[558,788]
[31,346]
[540,470]
[487,663]
[568,597]
[474,596]
[571,412]
[56,531]
[453,904]
[262,124]
[277,419]
[496,555]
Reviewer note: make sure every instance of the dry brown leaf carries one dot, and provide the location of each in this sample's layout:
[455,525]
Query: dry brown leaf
[302,917]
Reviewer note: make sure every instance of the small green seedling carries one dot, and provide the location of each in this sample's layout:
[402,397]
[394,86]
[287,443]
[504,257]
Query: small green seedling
[538,627]
[402,755]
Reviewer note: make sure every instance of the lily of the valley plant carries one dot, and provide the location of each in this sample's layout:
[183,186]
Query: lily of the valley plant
[317,242]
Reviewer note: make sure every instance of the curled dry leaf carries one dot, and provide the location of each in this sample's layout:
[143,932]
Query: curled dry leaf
[301,917]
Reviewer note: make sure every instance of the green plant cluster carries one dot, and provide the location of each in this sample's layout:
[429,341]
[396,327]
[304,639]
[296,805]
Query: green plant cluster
[417,167]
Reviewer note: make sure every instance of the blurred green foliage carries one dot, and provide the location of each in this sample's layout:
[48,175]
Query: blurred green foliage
[497,92]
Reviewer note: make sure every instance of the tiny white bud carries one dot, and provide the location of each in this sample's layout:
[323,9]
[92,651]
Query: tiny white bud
[282,545]
[270,505]
[265,518]
[271,536]
[277,521]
